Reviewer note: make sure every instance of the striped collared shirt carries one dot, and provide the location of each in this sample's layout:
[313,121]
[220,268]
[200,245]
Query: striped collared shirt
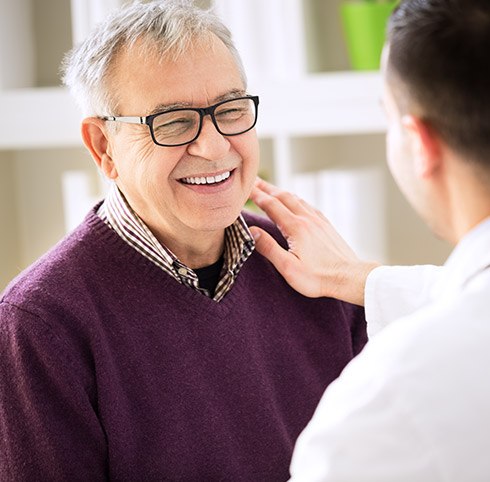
[239,244]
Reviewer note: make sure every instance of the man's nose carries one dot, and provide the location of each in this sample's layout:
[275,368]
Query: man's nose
[210,144]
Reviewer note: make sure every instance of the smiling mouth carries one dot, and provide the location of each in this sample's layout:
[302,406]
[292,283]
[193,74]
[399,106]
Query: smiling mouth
[209,180]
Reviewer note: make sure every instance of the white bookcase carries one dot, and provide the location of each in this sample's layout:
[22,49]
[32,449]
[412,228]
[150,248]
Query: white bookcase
[319,124]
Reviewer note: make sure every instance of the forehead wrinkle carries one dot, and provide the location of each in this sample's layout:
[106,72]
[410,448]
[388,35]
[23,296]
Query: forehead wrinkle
[201,46]
[179,105]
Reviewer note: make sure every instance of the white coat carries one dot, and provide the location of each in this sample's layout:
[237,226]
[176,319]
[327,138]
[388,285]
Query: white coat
[415,404]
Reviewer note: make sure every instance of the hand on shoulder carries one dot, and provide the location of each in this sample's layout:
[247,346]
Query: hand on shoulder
[318,262]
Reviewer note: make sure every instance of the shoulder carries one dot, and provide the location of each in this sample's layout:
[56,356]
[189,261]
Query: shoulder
[59,271]
[334,310]
[429,360]
[447,336]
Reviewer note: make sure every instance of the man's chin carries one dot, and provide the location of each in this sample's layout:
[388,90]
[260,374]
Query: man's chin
[216,220]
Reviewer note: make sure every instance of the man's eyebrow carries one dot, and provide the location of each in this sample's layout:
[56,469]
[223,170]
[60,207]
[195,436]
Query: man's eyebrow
[164,107]
[232,94]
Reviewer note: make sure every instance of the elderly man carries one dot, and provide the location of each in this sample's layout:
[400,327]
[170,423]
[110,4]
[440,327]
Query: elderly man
[415,404]
[154,343]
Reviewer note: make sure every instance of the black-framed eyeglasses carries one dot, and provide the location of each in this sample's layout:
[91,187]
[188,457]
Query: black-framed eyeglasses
[177,127]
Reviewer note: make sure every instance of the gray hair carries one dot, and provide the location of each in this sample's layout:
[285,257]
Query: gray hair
[166,27]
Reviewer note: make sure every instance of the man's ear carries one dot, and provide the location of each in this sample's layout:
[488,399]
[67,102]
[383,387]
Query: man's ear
[425,143]
[96,139]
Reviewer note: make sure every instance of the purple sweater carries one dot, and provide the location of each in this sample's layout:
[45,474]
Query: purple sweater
[112,370]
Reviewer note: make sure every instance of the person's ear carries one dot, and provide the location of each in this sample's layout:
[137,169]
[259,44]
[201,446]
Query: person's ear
[96,139]
[425,144]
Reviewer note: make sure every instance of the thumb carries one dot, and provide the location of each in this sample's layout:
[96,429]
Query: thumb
[267,246]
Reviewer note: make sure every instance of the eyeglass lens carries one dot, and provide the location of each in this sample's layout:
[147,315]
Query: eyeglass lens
[178,127]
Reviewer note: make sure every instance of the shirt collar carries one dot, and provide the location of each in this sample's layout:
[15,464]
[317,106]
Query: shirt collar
[469,257]
[121,217]
[239,242]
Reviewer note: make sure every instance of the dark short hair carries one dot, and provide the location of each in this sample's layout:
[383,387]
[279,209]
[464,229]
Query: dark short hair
[440,56]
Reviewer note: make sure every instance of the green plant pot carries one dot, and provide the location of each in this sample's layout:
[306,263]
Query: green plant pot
[364,25]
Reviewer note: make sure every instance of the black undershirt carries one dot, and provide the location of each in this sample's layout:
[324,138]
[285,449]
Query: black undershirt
[209,275]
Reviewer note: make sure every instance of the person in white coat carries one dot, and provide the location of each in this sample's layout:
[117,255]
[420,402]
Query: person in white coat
[415,404]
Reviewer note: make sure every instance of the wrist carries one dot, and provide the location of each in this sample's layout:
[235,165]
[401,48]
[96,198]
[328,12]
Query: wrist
[349,281]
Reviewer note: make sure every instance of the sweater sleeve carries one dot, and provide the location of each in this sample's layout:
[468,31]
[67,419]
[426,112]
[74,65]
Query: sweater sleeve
[49,428]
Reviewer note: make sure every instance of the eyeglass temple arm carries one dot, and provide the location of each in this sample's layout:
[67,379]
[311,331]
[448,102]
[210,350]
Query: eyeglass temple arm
[129,120]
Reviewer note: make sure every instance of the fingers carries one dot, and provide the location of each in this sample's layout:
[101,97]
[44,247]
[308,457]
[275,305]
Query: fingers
[291,201]
[294,271]
[273,207]
[267,246]
[265,186]
[294,203]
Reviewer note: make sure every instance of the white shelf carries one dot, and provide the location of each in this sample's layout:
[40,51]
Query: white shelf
[38,118]
[321,104]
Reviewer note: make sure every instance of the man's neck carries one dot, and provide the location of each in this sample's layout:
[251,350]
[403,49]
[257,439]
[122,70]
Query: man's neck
[194,249]
[469,198]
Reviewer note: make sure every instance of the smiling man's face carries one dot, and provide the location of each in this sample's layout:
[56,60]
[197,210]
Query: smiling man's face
[159,182]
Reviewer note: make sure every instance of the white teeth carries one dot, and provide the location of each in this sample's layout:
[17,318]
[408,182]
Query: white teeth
[206,180]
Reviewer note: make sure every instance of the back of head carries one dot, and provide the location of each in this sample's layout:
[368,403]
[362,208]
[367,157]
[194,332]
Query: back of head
[161,27]
[439,69]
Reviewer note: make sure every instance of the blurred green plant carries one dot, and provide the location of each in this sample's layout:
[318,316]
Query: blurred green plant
[364,24]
